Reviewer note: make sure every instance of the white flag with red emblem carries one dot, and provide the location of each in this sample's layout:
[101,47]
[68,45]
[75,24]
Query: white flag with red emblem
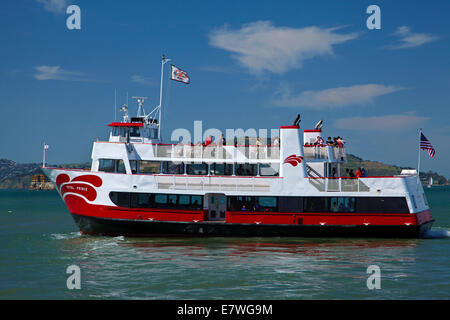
[179,75]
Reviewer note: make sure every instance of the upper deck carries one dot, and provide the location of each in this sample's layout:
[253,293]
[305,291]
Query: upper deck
[219,153]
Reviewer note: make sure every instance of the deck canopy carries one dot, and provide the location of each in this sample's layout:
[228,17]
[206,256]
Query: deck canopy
[125,124]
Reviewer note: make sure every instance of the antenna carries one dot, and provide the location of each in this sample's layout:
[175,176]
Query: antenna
[124,109]
[319,125]
[140,101]
[115,104]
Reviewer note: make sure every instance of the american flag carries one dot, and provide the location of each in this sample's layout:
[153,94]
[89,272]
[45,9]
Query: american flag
[426,145]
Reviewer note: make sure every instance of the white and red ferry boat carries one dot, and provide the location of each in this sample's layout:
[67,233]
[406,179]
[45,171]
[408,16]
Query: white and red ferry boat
[139,186]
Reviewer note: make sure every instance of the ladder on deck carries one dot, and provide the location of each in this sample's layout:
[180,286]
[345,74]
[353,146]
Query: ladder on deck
[319,183]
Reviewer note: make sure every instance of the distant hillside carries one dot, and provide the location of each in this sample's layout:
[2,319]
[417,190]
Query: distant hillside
[375,168]
[15,175]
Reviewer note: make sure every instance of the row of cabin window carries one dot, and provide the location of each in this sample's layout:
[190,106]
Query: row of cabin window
[157,200]
[122,131]
[319,204]
[265,203]
[134,132]
[168,167]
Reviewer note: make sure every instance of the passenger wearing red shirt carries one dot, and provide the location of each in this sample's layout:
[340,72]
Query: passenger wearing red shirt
[359,173]
[208,141]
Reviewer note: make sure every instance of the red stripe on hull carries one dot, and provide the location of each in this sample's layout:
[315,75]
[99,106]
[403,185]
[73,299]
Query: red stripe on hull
[78,205]
[348,219]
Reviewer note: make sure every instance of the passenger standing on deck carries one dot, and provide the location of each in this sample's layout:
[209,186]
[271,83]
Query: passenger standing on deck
[319,141]
[358,173]
[351,174]
[258,142]
[364,172]
[347,173]
[258,147]
[329,141]
[208,141]
[335,143]
[333,172]
[276,142]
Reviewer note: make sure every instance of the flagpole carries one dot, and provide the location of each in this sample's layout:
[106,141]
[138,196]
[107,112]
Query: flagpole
[43,156]
[163,62]
[160,98]
[418,161]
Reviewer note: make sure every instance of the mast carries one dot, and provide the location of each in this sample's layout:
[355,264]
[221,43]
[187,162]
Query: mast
[163,62]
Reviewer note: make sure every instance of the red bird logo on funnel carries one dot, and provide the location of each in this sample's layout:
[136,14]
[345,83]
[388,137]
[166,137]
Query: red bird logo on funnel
[293,160]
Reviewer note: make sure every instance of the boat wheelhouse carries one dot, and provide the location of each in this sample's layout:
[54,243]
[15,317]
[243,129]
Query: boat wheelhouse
[287,186]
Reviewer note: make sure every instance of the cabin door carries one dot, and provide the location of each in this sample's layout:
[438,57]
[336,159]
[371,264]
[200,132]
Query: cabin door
[217,205]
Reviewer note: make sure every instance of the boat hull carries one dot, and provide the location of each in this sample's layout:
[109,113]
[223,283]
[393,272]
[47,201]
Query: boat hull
[146,228]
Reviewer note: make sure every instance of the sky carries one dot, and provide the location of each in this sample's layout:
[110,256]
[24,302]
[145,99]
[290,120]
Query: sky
[252,64]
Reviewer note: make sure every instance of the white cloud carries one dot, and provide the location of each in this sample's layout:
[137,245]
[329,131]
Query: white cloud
[55,6]
[142,80]
[215,69]
[391,122]
[409,39]
[260,46]
[56,73]
[333,97]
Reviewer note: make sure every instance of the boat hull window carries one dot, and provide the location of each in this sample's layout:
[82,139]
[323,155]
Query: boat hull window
[342,204]
[221,169]
[135,132]
[269,169]
[266,204]
[173,167]
[197,169]
[156,200]
[149,167]
[111,165]
[123,132]
[115,131]
[246,169]
[379,205]
[107,165]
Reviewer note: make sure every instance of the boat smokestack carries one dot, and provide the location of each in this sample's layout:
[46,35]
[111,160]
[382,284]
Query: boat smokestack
[293,165]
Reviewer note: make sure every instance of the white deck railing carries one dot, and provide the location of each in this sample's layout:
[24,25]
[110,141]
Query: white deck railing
[180,182]
[324,152]
[340,184]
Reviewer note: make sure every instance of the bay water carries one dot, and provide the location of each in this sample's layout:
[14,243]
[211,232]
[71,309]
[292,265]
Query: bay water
[39,241]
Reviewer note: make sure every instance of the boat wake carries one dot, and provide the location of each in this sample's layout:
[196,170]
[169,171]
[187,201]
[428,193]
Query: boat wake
[65,236]
[437,233]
